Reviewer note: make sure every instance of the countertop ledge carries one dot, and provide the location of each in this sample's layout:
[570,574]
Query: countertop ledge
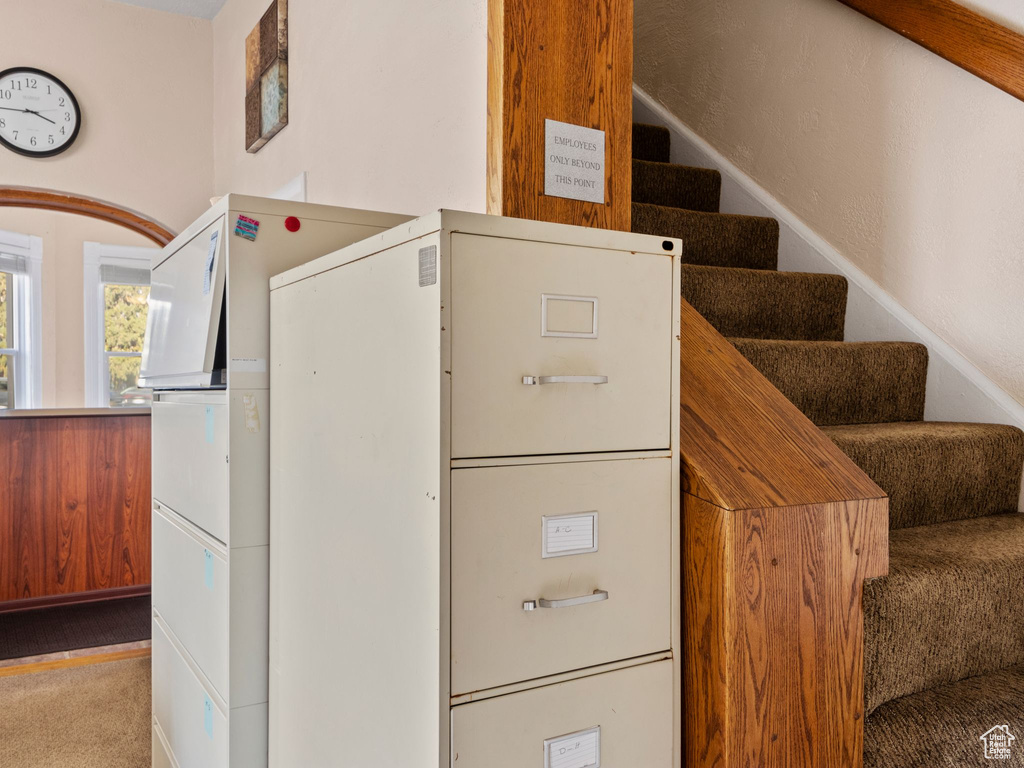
[52,413]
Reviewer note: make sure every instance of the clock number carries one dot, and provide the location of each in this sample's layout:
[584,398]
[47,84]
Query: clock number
[67,117]
[15,85]
[32,83]
[15,135]
[50,137]
[60,101]
[32,141]
[62,130]
[3,123]
[48,90]
[5,94]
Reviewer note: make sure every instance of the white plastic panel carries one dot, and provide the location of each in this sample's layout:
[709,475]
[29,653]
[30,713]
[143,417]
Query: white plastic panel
[184,311]
[191,720]
[190,459]
[632,707]
[190,591]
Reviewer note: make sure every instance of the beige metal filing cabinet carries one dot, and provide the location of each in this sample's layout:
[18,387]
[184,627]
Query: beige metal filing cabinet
[474,500]
[206,356]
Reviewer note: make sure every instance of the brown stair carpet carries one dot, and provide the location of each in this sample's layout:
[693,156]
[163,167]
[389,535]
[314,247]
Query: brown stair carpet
[944,637]
[651,142]
[942,727]
[714,239]
[935,472]
[760,304]
[696,189]
[836,382]
[947,610]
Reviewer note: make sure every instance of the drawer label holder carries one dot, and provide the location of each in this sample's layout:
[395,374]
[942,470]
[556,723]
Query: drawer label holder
[581,749]
[574,534]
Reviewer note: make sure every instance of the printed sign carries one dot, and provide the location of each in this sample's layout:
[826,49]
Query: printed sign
[575,750]
[247,228]
[573,162]
[569,534]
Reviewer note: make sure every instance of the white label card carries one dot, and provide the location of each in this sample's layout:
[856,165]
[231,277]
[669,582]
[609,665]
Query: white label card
[574,534]
[573,162]
[575,750]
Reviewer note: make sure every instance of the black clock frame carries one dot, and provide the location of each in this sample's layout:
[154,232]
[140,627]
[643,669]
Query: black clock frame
[74,104]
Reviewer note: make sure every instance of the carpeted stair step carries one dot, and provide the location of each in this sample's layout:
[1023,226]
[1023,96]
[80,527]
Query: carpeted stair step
[763,304]
[713,239]
[948,608]
[677,186]
[942,727]
[651,142]
[836,382]
[935,472]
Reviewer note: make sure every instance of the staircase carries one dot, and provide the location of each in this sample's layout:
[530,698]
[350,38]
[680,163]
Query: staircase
[943,634]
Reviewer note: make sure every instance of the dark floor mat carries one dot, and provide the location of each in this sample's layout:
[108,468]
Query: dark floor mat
[66,628]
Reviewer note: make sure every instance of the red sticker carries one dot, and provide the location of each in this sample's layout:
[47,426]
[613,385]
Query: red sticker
[292,223]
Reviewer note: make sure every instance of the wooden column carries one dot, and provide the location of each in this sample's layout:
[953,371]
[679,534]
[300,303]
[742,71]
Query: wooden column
[562,60]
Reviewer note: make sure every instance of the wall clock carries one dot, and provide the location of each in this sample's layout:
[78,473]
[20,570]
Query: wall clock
[39,116]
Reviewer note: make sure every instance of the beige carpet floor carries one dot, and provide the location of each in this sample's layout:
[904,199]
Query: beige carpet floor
[95,716]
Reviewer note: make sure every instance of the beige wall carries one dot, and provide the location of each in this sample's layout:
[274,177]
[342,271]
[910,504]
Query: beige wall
[910,167]
[387,104]
[63,340]
[142,79]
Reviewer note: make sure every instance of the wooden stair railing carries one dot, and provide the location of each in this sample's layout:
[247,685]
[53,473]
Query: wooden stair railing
[971,41]
[780,529]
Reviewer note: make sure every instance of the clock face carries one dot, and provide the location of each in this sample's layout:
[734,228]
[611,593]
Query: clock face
[39,115]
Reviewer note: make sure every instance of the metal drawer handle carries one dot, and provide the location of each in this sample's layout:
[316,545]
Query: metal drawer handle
[540,602]
[565,379]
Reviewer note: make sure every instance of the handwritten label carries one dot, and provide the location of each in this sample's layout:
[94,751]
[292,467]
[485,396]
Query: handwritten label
[573,162]
[208,568]
[252,412]
[575,750]
[574,534]
[247,227]
[208,716]
[211,255]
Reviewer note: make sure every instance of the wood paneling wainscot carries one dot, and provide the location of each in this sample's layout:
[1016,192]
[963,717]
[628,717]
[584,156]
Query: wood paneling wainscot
[565,61]
[780,529]
[74,506]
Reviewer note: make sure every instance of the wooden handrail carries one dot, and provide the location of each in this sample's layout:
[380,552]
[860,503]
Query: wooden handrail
[780,529]
[959,35]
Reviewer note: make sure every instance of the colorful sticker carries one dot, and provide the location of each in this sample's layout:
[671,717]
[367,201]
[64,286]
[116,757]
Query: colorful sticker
[246,227]
[208,715]
[208,566]
[210,255]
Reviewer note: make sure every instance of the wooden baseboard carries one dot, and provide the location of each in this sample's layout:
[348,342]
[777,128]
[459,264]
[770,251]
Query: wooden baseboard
[74,598]
[75,661]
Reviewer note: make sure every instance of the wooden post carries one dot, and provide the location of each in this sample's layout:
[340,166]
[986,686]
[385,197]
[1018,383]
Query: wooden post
[561,60]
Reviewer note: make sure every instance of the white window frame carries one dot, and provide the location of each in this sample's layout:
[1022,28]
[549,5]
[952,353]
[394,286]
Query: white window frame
[97,369]
[27,332]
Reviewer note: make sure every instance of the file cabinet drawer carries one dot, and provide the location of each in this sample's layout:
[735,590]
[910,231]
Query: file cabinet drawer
[566,317]
[192,723]
[190,450]
[549,533]
[621,718]
[190,591]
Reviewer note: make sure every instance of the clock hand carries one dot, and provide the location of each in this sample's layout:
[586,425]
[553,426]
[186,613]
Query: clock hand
[33,112]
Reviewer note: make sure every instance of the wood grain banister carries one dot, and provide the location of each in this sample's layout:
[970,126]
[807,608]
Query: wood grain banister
[964,37]
[780,529]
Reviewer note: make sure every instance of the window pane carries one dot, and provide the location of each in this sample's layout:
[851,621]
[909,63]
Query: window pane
[5,309]
[124,383]
[124,317]
[4,392]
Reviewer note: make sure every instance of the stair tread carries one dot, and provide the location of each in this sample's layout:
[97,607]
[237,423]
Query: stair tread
[942,727]
[938,471]
[676,186]
[945,611]
[837,382]
[764,304]
[713,239]
[651,142]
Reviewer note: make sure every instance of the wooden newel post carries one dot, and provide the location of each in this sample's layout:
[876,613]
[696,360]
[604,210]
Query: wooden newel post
[571,62]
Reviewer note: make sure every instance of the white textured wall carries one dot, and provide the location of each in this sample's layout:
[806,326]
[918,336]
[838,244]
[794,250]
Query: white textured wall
[387,103]
[910,167]
[142,79]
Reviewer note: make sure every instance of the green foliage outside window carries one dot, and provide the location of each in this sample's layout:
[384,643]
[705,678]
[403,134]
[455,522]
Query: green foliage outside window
[124,331]
[4,311]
